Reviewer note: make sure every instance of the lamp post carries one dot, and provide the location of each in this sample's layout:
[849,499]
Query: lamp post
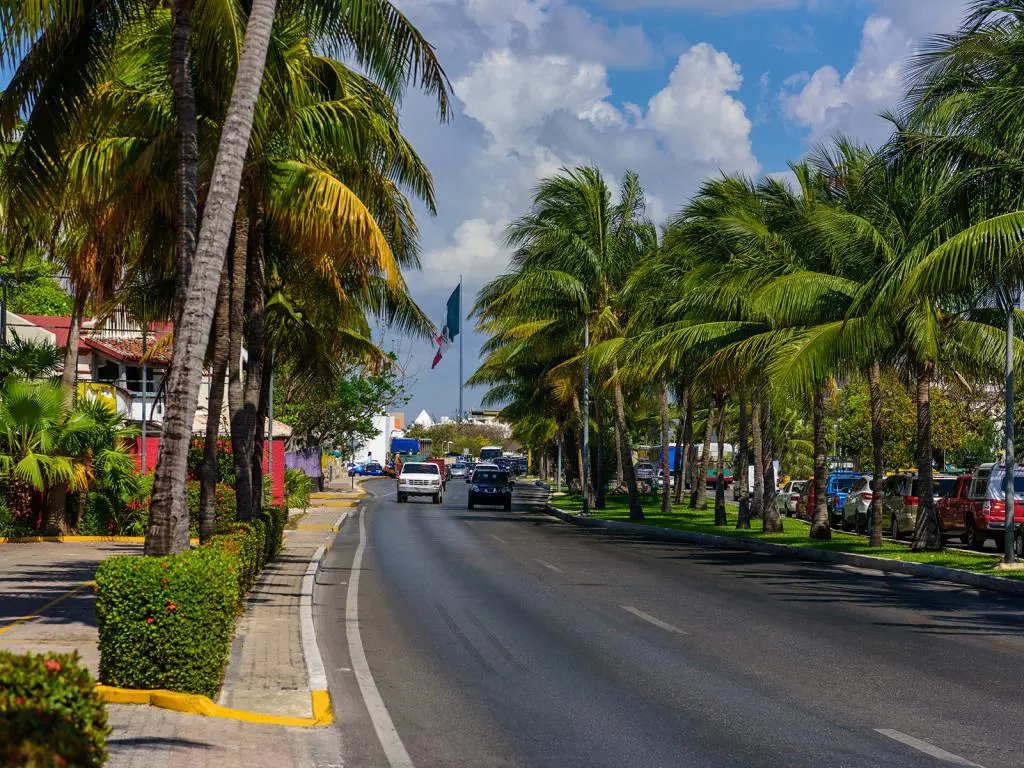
[1010,301]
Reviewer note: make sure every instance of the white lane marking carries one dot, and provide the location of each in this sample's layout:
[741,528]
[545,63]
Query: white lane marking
[307,632]
[549,566]
[929,749]
[498,538]
[389,739]
[652,620]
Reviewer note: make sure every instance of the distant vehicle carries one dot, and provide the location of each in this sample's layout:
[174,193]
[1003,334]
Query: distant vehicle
[369,469]
[975,508]
[900,500]
[490,452]
[459,469]
[420,479]
[481,465]
[837,489]
[857,508]
[644,470]
[492,487]
[786,499]
[521,464]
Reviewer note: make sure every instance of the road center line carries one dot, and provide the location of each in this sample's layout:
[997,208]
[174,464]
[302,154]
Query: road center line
[652,620]
[498,538]
[390,741]
[549,566]
[929,749]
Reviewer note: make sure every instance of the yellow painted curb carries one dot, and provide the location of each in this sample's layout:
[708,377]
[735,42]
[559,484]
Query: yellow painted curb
[337,495]
[325,503]
[194,704]
[76,539]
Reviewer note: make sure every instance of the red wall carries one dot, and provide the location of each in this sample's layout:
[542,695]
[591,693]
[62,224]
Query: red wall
[153,450]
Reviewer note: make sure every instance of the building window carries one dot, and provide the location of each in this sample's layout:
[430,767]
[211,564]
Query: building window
[133,379]
[109,372]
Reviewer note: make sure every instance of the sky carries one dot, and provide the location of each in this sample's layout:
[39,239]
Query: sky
[675,90]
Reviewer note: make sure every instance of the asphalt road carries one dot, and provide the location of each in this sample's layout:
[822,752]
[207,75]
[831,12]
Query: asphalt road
[512,639]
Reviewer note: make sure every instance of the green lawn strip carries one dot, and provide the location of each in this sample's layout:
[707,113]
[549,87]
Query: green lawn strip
[796,533]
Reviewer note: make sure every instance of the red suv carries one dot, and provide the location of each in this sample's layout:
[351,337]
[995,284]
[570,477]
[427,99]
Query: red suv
[975,509]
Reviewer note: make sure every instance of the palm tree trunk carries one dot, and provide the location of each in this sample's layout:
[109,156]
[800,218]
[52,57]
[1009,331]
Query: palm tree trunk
[720,517]
[926,531]
[618,458]
[187,148]
[579,440]
[57,494]
[771,520]
[168,521]
[597,460]
[682,456]
[256,300]
[218,373]
[240,449]
[743,519]
[757,500]
[875,395]
[685,412]
[819,524]
[666,490]
[259,439]
[636,512]
[698,495]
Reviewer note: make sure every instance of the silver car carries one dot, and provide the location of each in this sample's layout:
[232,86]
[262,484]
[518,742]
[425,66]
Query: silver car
[459,469]
[787,497]
[857,507]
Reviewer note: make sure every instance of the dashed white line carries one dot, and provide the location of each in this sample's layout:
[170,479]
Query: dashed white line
[549,566]
[498,539]
[929,749]
[652,620]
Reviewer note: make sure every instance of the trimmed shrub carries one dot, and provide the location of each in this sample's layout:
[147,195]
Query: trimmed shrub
[225,459]
[244,543]
[224,505]
[50,713]
[167,622]
[276,518]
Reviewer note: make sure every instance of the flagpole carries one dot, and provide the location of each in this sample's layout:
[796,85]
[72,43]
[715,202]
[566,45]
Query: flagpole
[461,334]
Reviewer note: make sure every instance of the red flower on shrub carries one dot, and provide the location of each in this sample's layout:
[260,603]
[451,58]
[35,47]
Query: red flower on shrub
[53,665]
[18,701]
[165,565]
[149,619]
[171,607]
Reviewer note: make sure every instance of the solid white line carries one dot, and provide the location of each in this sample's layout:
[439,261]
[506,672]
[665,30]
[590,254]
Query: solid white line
[549,566]
[307,632]
[929,749]
[652,620]
[498,538]
[390,741]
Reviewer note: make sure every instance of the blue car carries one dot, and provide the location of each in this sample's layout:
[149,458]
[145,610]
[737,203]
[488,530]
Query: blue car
[369,469]
[836,491]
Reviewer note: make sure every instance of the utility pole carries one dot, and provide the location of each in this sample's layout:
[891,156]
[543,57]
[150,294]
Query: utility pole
[270,432]
[145,393]
[1010,497]
[461,334]
[586,419]
[558,478]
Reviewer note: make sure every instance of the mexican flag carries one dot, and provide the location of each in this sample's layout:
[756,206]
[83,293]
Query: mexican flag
[452,325]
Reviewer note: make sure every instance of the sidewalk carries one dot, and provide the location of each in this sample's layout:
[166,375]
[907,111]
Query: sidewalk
[267,671]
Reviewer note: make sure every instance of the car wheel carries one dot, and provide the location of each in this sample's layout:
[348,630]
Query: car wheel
[401,498]
[896,535]
[471,505]
[508,505]
[1018,545]
[970,537]
[437,498]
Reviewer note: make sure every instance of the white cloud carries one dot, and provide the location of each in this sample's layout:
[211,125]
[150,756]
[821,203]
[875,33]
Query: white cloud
[476,249]
[717,6]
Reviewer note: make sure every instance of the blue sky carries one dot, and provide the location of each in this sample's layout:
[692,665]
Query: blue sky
[674,89]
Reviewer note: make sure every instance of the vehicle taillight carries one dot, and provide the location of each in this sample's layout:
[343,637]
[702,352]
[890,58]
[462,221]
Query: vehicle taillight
[835,500]
[868,496]
[910,501]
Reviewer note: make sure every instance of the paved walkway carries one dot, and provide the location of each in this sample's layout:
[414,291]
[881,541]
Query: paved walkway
[266,672]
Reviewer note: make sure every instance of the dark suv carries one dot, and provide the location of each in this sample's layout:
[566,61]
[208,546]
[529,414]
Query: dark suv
[490,486]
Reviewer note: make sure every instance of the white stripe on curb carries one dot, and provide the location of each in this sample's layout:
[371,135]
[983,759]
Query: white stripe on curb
[310,650]
[389,739]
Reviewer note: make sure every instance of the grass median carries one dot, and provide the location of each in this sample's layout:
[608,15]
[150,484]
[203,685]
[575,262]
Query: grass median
[796,533]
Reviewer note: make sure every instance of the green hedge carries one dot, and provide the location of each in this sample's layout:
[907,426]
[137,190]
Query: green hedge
[276,518]
[167,622]
[224,504]
[50,713]
[245,544]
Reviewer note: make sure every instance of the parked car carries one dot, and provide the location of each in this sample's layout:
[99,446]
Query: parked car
[900,500]
[975,508]
[837,489]
[420,478]
[645,471]
[857,507]
[786,499]
[491,486]
[369,469]
[459,470]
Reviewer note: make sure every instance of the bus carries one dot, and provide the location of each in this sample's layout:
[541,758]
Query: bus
[490,453]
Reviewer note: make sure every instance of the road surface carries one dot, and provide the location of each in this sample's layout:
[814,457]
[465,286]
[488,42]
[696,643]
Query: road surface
[492,638]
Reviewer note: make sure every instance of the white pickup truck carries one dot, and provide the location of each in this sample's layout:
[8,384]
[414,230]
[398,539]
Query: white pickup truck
[420,479]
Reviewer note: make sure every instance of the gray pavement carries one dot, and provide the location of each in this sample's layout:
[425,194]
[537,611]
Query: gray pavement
[511,639]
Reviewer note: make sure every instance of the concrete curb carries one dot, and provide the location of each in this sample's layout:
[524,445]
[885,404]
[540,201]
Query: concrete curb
[936,572]
[194,704]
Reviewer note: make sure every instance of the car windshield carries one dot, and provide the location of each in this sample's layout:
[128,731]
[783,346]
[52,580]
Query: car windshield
[490,477]
[843,484]
[373,466]
[420,469]
[458,466]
